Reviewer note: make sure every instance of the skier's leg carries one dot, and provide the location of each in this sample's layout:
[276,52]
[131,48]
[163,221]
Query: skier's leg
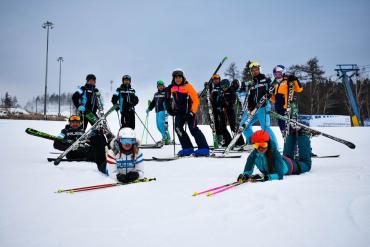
[98,144]
[248,132]
[181,134]
[161,125]
[263,116]
[203,148]
[304,149]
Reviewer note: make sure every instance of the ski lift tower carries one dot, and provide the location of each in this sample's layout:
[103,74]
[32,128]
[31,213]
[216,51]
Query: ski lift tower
[342,71]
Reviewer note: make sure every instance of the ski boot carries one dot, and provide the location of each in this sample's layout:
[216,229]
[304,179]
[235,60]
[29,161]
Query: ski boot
[185,152]
[201,152]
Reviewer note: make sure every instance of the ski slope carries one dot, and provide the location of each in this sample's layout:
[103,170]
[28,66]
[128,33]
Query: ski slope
[329,206]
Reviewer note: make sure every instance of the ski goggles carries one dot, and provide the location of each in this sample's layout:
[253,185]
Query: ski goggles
[125,141]
[260,145]
[75,118]
[216,76]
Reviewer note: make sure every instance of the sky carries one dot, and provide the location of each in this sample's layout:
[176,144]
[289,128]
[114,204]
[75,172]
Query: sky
[149,39]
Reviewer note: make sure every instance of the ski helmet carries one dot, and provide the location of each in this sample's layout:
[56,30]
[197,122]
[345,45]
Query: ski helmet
[253,64]
[225,83]
[90,77]
[126,77]
[127,136]
[178,72]
[260,136]
[236,84]
[160,82]
[278,68]
[216,76]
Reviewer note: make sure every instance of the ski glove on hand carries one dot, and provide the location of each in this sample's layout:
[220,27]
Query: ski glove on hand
[243,177]
[81,108]
[127,178]
[259,178]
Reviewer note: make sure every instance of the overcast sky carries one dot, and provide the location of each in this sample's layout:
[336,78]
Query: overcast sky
[148,39]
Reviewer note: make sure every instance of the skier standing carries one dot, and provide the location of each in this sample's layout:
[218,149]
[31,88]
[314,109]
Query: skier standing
[217,100]
[185,106]
[158,102]
[87,100]
[127,99]
[271,163]
[228,102]
[261,86]
[281,95]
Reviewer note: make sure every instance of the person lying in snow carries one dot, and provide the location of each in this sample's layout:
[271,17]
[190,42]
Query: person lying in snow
[271,163]
[124,161]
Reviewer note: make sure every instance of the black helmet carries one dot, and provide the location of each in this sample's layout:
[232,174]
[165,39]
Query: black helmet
[126,77]
[90,77]
[178,72]
[236,84]
[225,83]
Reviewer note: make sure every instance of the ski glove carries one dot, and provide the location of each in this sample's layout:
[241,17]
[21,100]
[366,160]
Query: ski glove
[127,178]
[81,108]
[243,177]
[259,178]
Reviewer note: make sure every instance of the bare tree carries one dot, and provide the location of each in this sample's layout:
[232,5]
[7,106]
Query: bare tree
[232,72]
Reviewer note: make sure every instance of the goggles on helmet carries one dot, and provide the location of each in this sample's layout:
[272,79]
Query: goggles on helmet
[125,140]
[254,64]
[260,145]
[74,118]
[216,76]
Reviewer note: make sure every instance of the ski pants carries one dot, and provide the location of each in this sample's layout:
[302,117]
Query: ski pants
[263,116]
[232,121]
[128,118]
[98,143]
[303,163]
[162,124]
[180,121]
[220,125]
[85,119]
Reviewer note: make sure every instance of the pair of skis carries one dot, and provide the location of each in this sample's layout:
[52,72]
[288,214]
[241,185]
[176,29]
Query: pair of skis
[44,135]
[102,186]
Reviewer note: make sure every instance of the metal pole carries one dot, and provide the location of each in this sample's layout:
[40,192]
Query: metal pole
[60,60]
[47,25]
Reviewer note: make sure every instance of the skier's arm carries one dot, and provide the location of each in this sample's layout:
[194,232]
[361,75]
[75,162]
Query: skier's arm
[139,164]
[152,104]
[194,98]
[115,97]
[111,165]
[249,165]
[76,97]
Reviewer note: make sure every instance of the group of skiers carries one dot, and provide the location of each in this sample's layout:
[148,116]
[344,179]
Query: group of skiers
[122,159]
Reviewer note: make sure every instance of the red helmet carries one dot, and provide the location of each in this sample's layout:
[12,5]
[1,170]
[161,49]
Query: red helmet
[260,136]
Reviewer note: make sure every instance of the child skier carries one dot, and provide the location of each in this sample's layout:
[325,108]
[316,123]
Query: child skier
[127,99]
[185,107]
[87,100]
[261,86]
[271,163]
[124,160]
[158,102]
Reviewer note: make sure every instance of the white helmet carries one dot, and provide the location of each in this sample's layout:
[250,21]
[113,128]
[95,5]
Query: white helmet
[127,134]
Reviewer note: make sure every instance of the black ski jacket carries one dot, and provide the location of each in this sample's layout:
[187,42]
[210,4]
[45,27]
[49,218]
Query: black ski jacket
[258,90]
[89,97]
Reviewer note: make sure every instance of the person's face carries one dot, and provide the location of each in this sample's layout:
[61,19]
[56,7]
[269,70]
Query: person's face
[261,147]
[216,81]
[91,82]
[160,87]
[255,71]
[126,147]
[178,79]
[75,124]
[278,74]
[126,82]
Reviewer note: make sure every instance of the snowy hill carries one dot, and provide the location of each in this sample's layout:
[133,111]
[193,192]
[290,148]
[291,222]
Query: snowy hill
[328,206]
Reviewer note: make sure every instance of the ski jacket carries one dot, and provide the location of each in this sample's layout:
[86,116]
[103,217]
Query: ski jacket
[158,101]
[89,97]
[281,93]
[70,134]
[120,162]
[260,160]
[217,95]
[229,98]
[260,87]
[126,97]
[185,98]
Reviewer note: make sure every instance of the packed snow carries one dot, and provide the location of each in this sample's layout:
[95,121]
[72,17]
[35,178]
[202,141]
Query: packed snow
[329,206]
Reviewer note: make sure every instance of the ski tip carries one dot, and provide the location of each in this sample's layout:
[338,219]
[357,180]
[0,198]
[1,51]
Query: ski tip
[352,146]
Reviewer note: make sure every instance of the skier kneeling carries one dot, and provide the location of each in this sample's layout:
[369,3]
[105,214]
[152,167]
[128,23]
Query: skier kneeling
[271,163]
[124,160]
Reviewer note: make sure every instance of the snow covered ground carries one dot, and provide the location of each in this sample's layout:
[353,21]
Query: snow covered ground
[329,206]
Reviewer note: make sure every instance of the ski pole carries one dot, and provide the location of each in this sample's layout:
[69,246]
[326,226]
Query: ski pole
[212,193]
[173,133]
[215,188]
[145,127]
[146,135]
[100,186]
[142,134]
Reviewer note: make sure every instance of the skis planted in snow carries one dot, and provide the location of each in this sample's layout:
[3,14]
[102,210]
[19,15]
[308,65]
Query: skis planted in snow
[312,131]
